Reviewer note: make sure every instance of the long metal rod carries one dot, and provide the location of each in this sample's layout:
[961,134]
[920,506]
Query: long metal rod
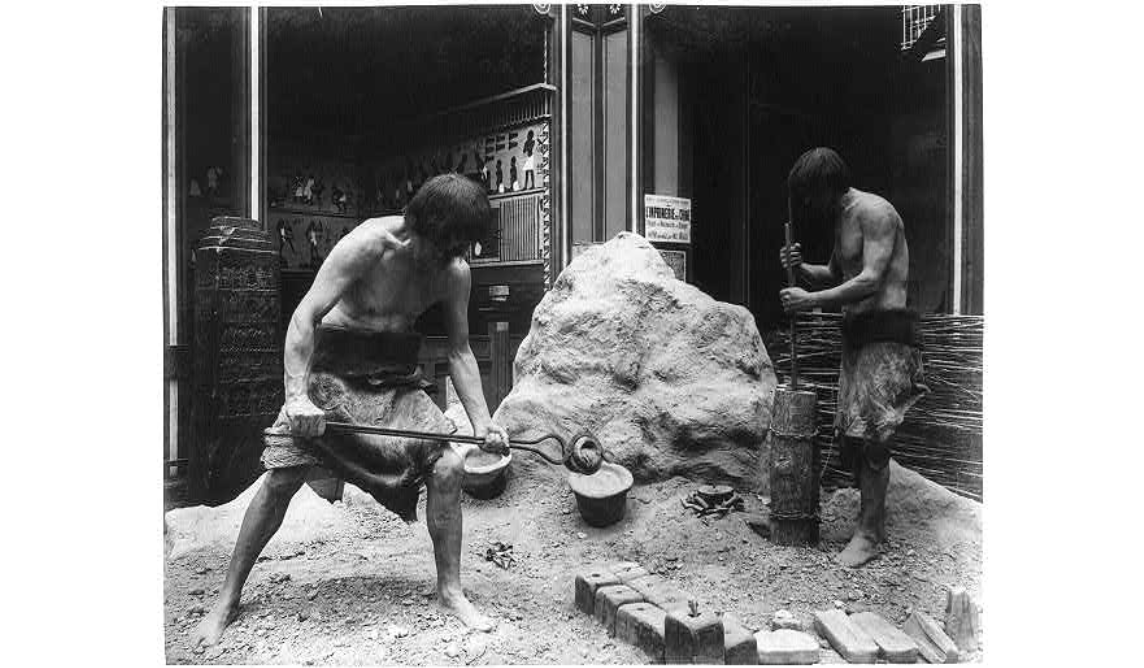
[346,427]
[793,316]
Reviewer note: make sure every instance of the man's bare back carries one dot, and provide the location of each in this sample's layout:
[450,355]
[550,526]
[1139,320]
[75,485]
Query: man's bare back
[861,213]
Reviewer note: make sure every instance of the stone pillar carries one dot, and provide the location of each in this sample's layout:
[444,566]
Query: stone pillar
[237,367]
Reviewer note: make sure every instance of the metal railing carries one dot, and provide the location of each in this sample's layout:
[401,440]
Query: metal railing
[915,20]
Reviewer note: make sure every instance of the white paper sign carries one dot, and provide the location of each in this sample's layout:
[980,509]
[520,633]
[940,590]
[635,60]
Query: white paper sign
[667,219]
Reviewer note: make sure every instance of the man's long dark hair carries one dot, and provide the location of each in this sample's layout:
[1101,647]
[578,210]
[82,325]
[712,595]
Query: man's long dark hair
[451,211]
[815,185]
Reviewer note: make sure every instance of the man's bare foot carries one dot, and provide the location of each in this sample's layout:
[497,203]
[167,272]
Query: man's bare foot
[862,548]
[456,604]
[211,627]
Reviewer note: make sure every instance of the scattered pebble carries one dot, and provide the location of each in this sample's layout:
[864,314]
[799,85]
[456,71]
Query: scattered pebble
[398,631]
[452,650]
[197,591]
[196,610]
[407,602]
[839,604]
[312,595]
[202,570]
[581,534]
[855,595]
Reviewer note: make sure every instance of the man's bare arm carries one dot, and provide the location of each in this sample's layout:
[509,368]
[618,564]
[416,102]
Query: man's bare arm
[462,364]
[820,275]
[816,275]
[879,234]
[346,262]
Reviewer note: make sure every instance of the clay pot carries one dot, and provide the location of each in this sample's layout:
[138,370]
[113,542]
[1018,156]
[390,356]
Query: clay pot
[602,497]
[485,474]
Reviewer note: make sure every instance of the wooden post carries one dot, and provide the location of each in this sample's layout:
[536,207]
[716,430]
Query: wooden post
[961,621]
[501,372]
[793,469]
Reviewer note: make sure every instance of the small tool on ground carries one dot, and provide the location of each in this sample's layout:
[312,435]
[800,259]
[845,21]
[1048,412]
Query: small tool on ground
[500,554]
[715,500]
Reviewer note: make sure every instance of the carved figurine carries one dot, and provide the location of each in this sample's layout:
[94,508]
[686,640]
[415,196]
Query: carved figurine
[529,161]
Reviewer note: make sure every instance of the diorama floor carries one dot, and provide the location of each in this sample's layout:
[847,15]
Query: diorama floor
[350,583]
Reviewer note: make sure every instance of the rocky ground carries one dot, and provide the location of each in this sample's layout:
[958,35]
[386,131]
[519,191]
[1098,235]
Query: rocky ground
[349,583]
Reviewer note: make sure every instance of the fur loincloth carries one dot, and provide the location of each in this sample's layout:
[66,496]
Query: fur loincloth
[367,378]
[881,376]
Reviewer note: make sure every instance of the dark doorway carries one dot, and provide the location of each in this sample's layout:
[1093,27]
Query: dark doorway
[759,86]
[820,78]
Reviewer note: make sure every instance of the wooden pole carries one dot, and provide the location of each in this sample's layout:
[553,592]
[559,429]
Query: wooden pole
[793,316]
[793,468]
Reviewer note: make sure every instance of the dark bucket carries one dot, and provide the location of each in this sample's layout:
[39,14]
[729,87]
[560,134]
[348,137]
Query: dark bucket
[602,497]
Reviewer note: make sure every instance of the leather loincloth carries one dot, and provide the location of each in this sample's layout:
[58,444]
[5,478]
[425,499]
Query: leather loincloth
[367,378]
[881,375]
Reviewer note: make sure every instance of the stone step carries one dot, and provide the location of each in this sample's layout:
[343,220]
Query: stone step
[894,645]
[786,647]
[739,646]
[961,622]
[641,624]
[933,643]
[587,582]
[847,639]
[693,638]
[609,598]
[662,593]
[626,571]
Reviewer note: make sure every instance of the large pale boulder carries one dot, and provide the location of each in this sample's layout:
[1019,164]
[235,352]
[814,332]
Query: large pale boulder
[669,380]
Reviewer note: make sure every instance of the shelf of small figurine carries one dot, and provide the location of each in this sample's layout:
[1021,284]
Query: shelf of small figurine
[298,211]
[493,197]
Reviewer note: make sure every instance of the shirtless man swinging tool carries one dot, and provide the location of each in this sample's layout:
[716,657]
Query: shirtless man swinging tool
[881,374]
[351,355]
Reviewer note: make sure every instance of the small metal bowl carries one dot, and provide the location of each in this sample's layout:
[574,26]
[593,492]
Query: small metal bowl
[485,474]
[602,497]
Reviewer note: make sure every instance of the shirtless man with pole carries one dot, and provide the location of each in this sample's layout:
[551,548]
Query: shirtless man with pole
[881,374]
[351,354]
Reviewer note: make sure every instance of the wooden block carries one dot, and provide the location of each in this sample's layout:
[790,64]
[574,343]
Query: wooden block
[739,646]
[641,624]
[626,571]
[846,638]
[961,622]
[933,644]
[609,598]
[587,582]
[692,639]
[662,593]
[786,647]
[894,646]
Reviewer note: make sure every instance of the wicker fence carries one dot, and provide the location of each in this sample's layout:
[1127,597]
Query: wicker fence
[941,437]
